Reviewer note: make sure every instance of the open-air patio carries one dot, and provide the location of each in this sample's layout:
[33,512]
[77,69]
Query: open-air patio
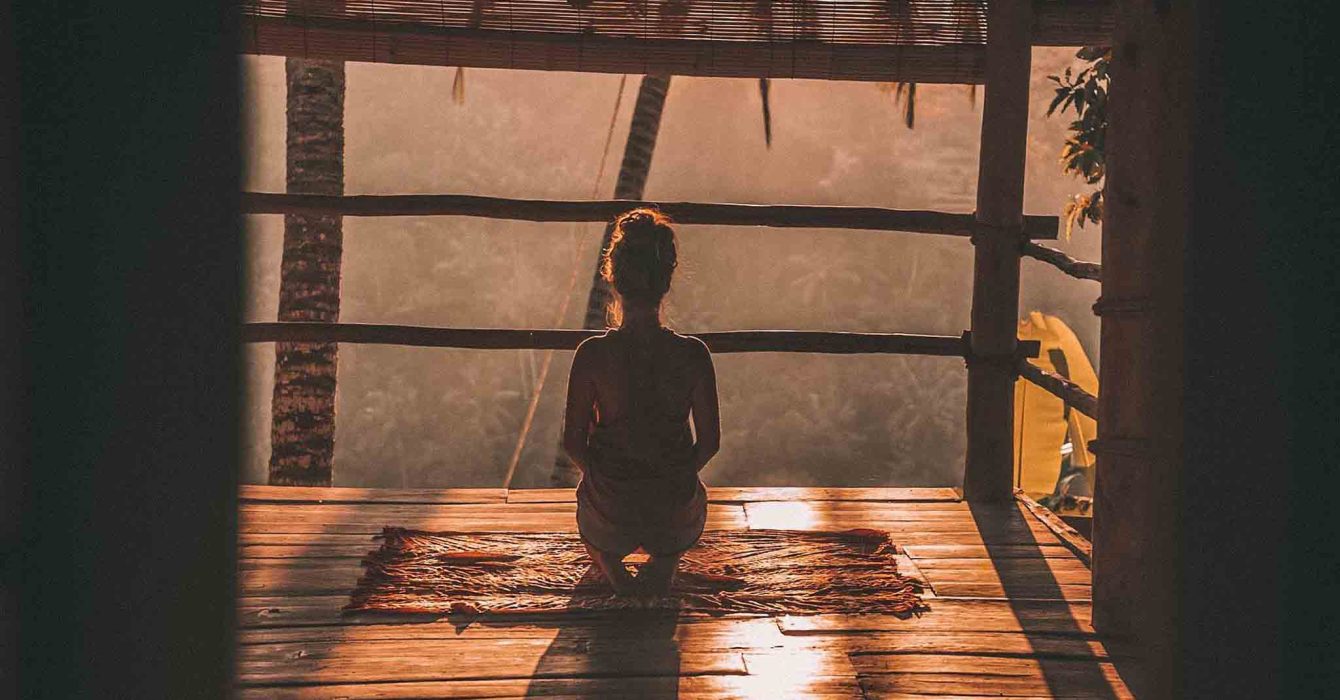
[1008,593]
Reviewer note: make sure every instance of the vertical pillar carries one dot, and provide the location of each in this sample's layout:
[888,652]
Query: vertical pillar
[1141,379]
[995,279]
[12,325]
[124,268]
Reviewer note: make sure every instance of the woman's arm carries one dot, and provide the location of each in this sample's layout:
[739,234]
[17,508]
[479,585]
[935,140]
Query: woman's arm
[580,406]
[706,413]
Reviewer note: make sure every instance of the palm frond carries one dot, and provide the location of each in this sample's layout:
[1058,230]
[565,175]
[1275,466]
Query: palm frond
[906,95]
[458,87]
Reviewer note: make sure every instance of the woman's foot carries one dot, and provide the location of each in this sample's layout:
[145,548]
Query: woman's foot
[621,581]
[612,568]
[657,575]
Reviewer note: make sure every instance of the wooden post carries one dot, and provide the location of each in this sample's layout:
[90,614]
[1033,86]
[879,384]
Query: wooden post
[995,280]
[1139,448]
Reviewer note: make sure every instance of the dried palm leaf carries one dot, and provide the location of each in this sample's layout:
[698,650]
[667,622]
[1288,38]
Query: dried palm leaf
[906,95]
[458,87]
[763,88]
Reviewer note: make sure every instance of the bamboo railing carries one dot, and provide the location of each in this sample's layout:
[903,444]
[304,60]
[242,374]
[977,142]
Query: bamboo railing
[1060,387]
[603,211]
[825,342]
[1078,269]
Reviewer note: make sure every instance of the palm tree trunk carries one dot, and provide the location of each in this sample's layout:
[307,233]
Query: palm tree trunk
[631,184]
[303,430]
[632,180]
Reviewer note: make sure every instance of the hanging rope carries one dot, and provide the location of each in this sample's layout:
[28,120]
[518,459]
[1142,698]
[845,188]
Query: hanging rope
[565,300]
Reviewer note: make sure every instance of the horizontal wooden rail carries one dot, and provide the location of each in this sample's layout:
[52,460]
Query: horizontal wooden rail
[1060,387]
[544,339]
[774,215]
[1075,268]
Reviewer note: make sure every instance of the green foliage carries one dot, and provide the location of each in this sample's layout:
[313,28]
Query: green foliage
[1084,153]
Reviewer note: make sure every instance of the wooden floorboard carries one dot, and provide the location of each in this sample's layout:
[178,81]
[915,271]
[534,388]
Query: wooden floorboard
[1008,608]
[947,615]
[995,552]
[715,687]
[333,661]
[735,632]
[370,518]
[1085,680]
[342,494]
[749,494]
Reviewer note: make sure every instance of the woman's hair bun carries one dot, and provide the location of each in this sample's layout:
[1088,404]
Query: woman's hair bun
[639,217]
[641,257]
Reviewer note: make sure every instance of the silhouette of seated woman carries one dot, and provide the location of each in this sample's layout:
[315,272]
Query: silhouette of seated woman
[631,394]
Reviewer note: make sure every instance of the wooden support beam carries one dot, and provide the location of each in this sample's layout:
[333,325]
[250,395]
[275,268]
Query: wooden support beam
[1140,497]
[1060,387]
[995,286]
[1078,269]
[773,215]
[546,339]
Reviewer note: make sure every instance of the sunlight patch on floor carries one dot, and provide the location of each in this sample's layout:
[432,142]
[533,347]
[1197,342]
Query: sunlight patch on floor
[796,673]
[784,516]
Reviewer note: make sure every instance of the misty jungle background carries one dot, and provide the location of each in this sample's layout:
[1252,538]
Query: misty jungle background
[423,417]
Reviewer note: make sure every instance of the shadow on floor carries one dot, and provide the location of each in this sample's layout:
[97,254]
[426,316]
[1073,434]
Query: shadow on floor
[1038,600]
[610,645]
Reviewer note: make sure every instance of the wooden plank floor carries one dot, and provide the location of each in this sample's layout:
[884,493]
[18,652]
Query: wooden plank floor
[1009,608]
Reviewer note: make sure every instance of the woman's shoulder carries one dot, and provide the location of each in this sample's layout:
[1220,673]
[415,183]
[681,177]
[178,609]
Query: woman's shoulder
[597,341]
[690,345]
[594,346]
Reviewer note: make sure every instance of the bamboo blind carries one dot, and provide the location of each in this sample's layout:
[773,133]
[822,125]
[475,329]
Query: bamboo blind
[933,41]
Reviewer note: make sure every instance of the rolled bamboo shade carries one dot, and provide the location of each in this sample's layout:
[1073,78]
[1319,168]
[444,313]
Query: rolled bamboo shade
[929,41]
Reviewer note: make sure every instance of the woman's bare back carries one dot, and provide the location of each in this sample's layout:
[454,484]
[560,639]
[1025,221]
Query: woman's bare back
[644,374]
[644,385]
[632,396]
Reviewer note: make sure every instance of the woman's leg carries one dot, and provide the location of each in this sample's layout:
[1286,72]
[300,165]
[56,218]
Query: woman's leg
[667,545]
[611,566]
[658,573]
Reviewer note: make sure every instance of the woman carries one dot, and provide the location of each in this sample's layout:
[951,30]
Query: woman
[631,394]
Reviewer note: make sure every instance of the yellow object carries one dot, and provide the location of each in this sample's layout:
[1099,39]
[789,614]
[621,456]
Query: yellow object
[1041,424]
